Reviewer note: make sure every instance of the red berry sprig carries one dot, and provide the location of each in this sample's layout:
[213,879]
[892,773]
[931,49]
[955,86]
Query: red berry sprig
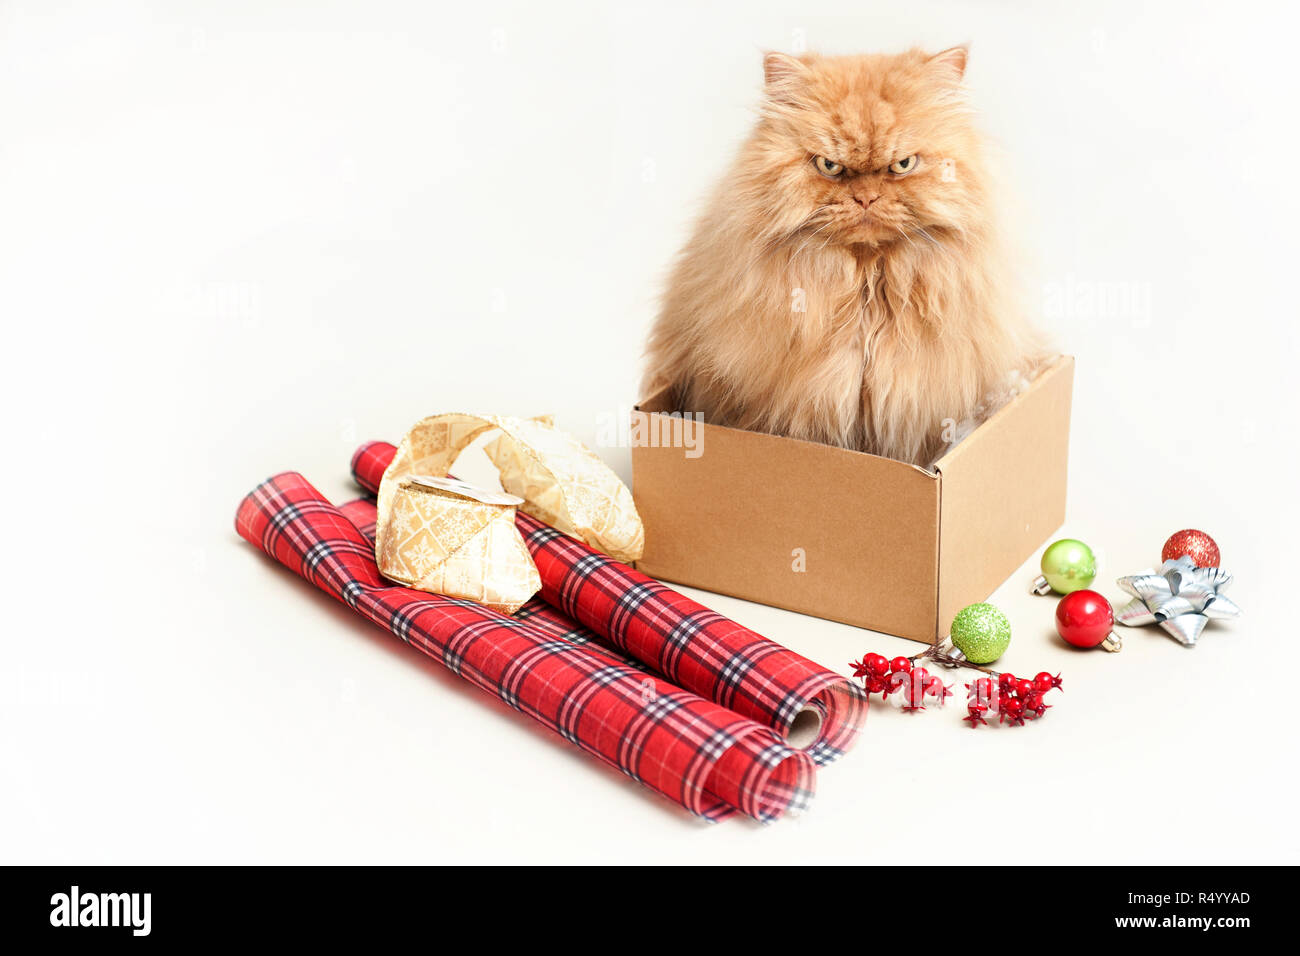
[915,684]
[1012,698]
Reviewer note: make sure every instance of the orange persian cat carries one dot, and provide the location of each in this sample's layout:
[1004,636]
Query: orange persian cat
[844,285]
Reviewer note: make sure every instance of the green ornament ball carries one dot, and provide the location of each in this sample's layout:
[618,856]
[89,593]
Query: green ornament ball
[981,632]
[1068,565]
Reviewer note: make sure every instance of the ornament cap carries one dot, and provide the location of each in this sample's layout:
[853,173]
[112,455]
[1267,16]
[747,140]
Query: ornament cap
[1113,643]
[1039,585]
[948,655]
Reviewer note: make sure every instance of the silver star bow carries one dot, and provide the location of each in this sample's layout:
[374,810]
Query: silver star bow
[1180,597]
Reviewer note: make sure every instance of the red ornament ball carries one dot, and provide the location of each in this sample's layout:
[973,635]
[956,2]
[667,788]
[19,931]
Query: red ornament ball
[877,664]
[1189,542]
[1084,618]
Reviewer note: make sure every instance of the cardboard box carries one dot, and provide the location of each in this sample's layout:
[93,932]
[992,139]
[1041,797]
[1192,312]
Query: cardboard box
[882,544]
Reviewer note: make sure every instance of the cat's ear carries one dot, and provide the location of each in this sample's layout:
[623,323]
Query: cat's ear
[783,78]
[952,62]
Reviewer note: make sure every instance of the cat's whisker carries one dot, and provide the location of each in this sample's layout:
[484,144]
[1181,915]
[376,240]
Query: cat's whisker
[813,235]
[905,236]
[772,244]
[929,238]
[775,241]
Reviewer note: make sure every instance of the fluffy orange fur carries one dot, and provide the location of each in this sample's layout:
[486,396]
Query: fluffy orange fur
[867,309]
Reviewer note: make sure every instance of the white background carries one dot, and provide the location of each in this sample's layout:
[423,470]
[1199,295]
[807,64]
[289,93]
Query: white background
[239,238]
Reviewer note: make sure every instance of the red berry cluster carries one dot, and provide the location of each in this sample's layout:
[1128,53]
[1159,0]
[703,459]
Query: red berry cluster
[882,676]
[1012,698]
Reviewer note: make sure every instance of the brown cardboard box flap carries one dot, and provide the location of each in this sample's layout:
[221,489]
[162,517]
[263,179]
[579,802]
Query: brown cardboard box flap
[1003,491]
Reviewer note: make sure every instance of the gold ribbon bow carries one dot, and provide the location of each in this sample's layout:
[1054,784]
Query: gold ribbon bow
[451,539]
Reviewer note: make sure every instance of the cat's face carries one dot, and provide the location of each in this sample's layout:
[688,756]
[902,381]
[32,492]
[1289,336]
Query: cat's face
[867,150]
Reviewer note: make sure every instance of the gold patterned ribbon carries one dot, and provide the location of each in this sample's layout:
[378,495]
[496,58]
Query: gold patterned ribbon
[451,539]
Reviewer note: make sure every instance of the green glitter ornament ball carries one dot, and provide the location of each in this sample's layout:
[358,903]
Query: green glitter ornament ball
[981,632]
[1068,565]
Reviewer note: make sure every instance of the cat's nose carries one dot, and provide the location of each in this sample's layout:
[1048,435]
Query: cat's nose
[866,200]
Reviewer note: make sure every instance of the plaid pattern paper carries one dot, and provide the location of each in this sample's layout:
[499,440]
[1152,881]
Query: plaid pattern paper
[708,759]
[690,645]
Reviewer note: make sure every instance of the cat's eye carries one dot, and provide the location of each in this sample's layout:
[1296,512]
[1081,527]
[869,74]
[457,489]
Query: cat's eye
[828,167]
[902,167]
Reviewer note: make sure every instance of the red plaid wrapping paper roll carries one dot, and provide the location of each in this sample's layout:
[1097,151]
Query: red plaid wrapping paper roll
[693,751]
[692,646]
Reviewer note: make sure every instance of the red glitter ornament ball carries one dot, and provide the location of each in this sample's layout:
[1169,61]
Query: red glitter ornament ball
[1197,545]
[1084,618]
